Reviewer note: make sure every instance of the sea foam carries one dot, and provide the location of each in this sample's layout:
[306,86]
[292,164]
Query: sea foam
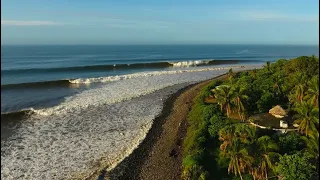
[96,128]
[125,87]
[144,74]
[190,63]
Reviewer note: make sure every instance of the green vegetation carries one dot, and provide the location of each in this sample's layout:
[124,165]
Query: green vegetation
[296,166]
[220,144]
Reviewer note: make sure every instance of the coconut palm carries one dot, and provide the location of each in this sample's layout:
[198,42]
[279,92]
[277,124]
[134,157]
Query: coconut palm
[267,66]
[313,91]
[246,134]
[298,91]
[312,146]
[224,95]
[307,118]
[297,94]
[278,82]
[266,152]
[314,57]
[242,132]
[253,73]
[230,74]
[226,135]
[240,160]
[238,97]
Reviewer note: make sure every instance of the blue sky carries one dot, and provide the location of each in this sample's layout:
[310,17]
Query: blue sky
[160,22]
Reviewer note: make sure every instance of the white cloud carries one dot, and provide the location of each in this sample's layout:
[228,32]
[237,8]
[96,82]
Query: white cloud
[128,23]
[28,23]
[275,16]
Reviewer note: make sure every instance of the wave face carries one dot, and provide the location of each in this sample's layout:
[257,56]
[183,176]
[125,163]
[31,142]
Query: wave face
[26,64]
[109,67]
[66,82]
[56,83]
[91,68]
[207,62]
[87,68]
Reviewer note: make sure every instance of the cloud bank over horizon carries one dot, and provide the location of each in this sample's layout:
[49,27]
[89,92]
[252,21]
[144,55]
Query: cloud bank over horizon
[28,23]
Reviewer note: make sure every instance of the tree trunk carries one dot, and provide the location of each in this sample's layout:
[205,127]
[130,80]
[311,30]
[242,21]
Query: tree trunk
[240,176]
[239,109]
[228,110]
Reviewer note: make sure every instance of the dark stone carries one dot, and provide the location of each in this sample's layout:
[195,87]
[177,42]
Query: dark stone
[173,153]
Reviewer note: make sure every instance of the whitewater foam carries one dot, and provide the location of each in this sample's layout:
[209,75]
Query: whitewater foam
[93,129]
[190,63]
[132,85]
[142,74]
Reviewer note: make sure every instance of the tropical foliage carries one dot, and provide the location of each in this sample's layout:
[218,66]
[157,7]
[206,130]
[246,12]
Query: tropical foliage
[296,166]
[307,118]
[220,144]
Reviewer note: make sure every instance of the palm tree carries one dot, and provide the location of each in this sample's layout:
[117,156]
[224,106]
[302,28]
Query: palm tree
[240,160]
[224,95]
[230,74]
[242,132]
[267,66]
[238,98]
[226,135]
[245,133]
[266,149]
[307,118]
[234,139]
[313,147]
[299,89]
[313,91]
[278,82]
[253,73]
[297,94]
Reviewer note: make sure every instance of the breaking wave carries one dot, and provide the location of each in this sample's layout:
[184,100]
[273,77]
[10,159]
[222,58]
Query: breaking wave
[93,129]
[108,67]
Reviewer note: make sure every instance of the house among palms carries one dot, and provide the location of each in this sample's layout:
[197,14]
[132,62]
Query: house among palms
[278,112]
[283,124]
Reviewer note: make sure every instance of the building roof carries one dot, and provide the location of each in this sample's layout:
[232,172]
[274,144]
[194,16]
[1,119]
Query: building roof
[277,110]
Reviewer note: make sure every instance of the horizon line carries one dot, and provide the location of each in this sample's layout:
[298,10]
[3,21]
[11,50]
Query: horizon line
[132,44]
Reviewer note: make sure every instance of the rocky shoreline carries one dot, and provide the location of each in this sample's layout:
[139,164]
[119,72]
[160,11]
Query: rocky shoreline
[159,155]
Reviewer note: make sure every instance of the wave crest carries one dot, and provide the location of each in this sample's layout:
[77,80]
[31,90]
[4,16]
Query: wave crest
[143,74]
[190,63]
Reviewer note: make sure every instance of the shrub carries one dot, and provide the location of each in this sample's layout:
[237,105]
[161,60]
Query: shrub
[296,166]
[290,143]
[217,122]
[194,172]
[266,101]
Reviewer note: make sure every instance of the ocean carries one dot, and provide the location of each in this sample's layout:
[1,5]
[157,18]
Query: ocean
[39,76]
[68,108]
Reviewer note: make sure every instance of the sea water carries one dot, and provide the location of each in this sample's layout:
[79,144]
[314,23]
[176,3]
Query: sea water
[90,106]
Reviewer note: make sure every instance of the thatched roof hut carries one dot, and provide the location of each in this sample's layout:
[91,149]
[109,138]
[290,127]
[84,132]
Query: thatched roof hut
[278,112]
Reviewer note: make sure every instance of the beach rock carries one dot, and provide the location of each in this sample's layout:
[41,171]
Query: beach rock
[173,153]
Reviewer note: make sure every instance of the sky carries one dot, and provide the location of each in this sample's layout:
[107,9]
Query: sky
[293,22]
